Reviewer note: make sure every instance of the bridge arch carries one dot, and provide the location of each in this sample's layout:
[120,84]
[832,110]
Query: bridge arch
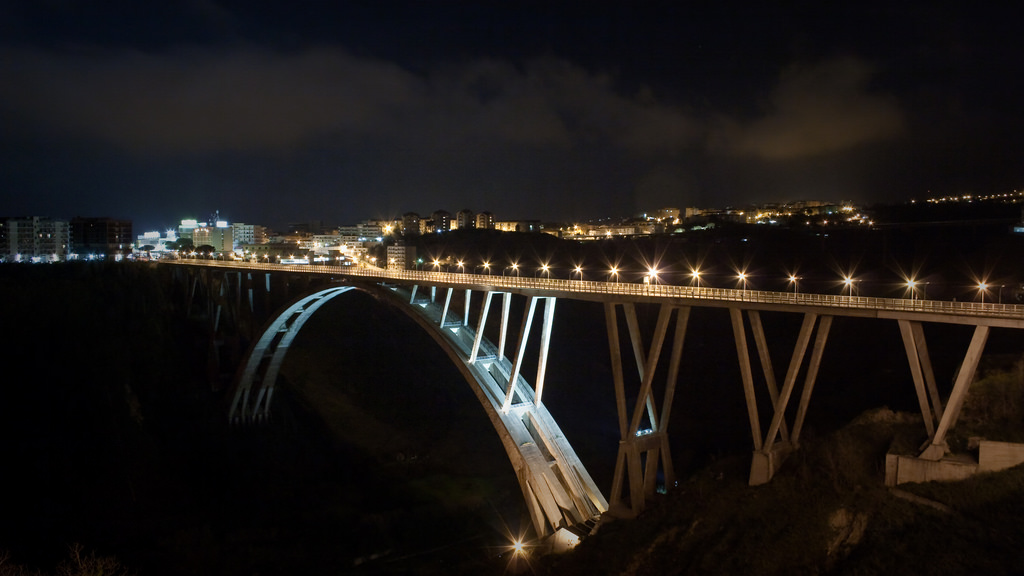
[562,498]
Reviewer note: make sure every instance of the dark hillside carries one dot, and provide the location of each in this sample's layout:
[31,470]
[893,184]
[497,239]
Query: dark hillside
[379,460]
[827,512]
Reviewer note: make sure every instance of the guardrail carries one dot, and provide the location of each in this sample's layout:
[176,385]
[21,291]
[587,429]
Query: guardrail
[614,288]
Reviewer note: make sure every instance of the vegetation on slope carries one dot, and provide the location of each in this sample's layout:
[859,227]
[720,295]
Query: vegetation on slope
[826,512]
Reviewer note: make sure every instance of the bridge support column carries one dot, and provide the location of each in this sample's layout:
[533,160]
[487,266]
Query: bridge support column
[920,371]
[506,303]
[517,361]
[771,450]
[936,447]
[444,310]
[479,336]
[641,451]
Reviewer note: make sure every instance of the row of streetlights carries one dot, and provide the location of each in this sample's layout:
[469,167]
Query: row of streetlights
[849,283]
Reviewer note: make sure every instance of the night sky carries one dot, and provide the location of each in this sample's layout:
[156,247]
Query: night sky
[274,112]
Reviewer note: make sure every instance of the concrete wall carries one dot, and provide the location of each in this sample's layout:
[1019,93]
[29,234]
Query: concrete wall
[993,456]
[901,469]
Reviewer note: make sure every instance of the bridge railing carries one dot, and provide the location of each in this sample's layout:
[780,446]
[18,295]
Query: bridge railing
[650,290]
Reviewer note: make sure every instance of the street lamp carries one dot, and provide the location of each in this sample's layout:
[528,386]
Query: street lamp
[652,273]
[487,268]
[849,282]
[912,286]
[794,281]
[614,273]
[695,273]
[982,287]
[578,270]
[544,268]
[742,276]
[462,267]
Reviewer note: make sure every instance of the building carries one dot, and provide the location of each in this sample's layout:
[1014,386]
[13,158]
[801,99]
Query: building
[105,236]
[320,242]
[165,243]
[220,237]
[34,239]
[410,224]
[665,214]
[401,257]
[387,226]
[485,220]
[518,226]
[248,234]
[186,228]
[464,219]
[367,230]
[442,221]
[272,251]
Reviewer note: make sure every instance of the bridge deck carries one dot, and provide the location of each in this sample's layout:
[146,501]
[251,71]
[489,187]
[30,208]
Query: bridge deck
[974,313]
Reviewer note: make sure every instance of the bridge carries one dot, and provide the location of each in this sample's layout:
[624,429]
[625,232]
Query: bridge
[563,500]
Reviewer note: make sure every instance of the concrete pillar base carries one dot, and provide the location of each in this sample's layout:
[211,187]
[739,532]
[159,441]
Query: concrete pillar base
[900,469]
[765,463]
[934,452]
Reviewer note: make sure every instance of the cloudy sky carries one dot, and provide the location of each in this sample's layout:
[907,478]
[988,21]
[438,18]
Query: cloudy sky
[275,112]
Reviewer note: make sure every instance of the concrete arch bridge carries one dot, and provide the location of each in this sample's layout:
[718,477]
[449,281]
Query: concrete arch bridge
[458,309]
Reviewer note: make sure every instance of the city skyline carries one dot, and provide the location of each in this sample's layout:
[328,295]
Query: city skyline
[556,110]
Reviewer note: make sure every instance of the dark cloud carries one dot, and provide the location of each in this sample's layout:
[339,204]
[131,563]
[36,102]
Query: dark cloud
[193,100]
[276,111]
[543,130]
[814,110]
[197,100]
